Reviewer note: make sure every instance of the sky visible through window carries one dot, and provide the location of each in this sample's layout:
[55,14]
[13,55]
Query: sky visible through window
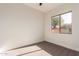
[67,18]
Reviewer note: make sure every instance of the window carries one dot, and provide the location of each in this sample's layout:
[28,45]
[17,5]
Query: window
[62,23]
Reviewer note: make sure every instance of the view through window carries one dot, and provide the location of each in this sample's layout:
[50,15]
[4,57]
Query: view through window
[62,23]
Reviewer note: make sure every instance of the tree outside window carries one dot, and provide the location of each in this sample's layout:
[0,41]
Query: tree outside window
[62,23]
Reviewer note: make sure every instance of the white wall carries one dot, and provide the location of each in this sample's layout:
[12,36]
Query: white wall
[19,25]
[67,40]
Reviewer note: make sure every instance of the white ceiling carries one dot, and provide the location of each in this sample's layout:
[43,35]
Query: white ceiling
[45,6]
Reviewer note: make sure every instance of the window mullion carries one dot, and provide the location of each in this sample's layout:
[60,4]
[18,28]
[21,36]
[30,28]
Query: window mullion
[59,23]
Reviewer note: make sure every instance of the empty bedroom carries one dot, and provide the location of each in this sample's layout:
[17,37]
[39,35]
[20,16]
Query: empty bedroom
[39,29]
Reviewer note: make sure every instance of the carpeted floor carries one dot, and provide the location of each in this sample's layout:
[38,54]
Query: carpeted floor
[41,49]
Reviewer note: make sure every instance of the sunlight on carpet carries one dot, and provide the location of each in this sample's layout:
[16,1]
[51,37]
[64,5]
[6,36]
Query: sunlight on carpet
[27,51]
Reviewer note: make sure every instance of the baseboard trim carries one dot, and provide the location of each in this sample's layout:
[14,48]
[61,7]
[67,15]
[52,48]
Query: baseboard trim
[63,46]
[38,43]
[24,46]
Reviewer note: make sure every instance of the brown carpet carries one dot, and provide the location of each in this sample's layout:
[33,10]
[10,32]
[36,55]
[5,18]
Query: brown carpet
[42,49]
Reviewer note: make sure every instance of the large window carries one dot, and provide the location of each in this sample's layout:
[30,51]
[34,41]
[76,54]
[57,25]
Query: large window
[62,23]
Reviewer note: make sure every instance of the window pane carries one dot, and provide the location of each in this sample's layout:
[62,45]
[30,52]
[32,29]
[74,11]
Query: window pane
[55,24]
[66,23]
